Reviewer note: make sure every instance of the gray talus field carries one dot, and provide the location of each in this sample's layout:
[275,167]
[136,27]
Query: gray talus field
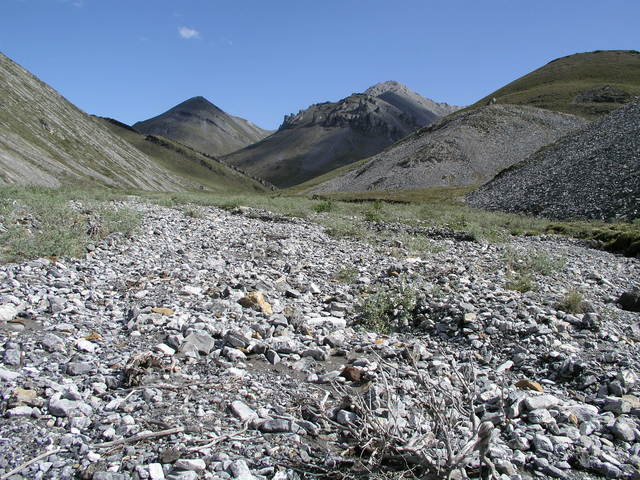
[463,149]
[592,173]
[204,127]
[45,140]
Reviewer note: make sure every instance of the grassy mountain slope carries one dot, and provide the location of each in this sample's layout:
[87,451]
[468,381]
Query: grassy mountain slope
[586,84]
[46,140]
[200,170]
[204,127]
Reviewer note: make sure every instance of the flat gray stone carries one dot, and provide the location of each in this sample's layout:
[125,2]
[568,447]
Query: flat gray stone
[155,471]
[8,313]
[195,464]
[61,407]
[8,375]
[276,425]
[20,411]
[623,430]
[109,476]
[546,401]
[183,475]
[79,368]
[52,342]
[243,411]
[201,342]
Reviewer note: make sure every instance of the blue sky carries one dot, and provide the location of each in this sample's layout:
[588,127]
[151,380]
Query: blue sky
[262,59]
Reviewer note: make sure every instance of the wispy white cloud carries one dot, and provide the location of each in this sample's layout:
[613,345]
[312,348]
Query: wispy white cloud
[188,33]
[74,3]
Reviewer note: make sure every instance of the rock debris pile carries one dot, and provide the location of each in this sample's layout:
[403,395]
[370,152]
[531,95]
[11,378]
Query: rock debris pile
[592,173]
[230,347]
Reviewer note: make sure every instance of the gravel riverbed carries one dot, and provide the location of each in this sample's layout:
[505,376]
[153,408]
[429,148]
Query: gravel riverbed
[229,347]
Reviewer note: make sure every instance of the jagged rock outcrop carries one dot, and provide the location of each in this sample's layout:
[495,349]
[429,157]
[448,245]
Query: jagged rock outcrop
[593,173]
[46,140]
[424,110]
[463,149]
[332,134]
[204,127]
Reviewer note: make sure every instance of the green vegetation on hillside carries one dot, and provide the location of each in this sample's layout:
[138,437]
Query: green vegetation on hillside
[44,222]
[187,163]
[587,84]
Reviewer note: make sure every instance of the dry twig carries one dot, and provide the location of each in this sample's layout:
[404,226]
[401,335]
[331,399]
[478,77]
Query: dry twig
[141,436]
[19,468]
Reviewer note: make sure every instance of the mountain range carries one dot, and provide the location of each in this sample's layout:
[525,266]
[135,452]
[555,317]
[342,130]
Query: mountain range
[567,117]
[472,145]
[468,148]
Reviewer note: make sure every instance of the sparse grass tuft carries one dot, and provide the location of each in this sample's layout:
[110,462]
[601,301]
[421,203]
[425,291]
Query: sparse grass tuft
[572,302]
[193,212]
[535,261]
[323,206]
[521,283]
[345,228]
[347,275]
[40,222]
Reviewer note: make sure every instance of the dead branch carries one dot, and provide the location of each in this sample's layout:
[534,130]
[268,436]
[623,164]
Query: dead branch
[19,468]
[141,436]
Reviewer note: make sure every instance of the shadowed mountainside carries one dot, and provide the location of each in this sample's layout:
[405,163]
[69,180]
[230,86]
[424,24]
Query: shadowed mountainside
[332,134]
[202,170]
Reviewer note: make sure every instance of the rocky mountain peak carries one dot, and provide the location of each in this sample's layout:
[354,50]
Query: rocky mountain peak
[359,111]
[383,87]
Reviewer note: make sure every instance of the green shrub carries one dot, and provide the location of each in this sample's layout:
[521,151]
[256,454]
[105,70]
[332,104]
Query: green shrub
[372,216]
[193,212]
[521,283]
[533,262]
[387,310]
[344,228]
[347,275]
[42,222]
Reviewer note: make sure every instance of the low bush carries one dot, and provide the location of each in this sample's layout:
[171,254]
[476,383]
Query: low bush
[387,310]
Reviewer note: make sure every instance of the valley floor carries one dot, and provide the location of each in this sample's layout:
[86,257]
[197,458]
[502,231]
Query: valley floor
[150,357]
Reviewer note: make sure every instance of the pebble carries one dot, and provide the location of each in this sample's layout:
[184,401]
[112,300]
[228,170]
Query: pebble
[8,313]
[195,464]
